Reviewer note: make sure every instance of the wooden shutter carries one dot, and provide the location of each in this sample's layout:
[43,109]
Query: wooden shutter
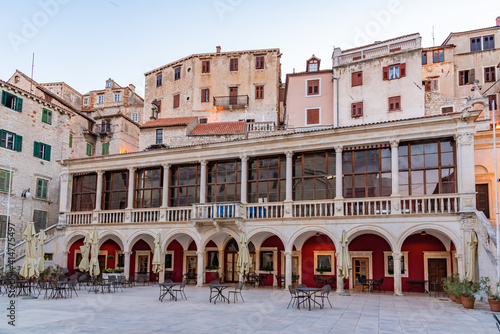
[47,153]
[205,66]
[89,150]
[70,140]
[36,149]
[44,115]
[356,79]
[176,100]
[472,76]
[385,73]
[19,104]
[402,70]
[18,143]
[4,98]
[312,87]
[357,109]
[312,116]
[105,148]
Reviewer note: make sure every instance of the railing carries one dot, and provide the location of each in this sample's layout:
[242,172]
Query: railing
[217,210]
[79,218]
[264,210]
[231,101]
[447,203]
[313,209]
[102,128]
[260,126]
[145,215]
[178,214]
[367,206]
[109,217]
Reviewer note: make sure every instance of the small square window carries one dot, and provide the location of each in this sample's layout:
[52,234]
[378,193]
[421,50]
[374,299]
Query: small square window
[117,97]
[312,117]
[85,101]
[475,44]
[47,116]
[205,95]
[395,103]
[233,64]
[11,101]
[466,77]
[313,87]
[42,151]
[135,117]
[356,79]
[489,74]
[357,109]
[7,139]
[446,110]
[177,73]
[159,136]
[177,99]
[259,62]
[100,98]
[394,71]
[489,42]
[259,92]
[438,56]
[42,188]
[313,67]
[109,83]
[205,66]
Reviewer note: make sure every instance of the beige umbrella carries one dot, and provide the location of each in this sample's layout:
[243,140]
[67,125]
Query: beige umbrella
[343,261]
[470,274]
[85,249]
[41,251]
[30,266]
[94,254]
[157,256]
[244,260]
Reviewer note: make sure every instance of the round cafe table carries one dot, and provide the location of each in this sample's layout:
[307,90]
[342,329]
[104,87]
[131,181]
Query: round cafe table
[309,293]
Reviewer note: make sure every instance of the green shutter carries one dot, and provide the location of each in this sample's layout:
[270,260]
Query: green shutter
[105,148]
[18,143]
[89,149]
[70,140]
[4,98]
[44,115]
[49,117]
[1,136]
[4,180]
[41,188]
[19,104]
[47,152]
[36,149]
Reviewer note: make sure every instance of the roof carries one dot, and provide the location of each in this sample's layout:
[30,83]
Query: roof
[381,42]
[211,54]
[219,128]
[467,32]
[430,48]
[161,122]
[309,73]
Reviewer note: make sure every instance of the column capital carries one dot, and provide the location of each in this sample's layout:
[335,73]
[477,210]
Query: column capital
[127,253]
[397,256]
[99,172]
[65,176]
[458,256]
[166,165]
[288,254]
[132,169]
[339,148]
[244,158]
[203,163]
[394,143]
[65,252]
[200,253]
[289,154]
[464,138]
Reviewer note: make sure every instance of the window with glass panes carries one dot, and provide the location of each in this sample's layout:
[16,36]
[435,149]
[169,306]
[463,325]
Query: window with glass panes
[3,222]
[42,188]
[267,179]
[115,190]
[148,188]
[5,176]
[84,191]
[367,173]
[427,168]
[310,172]
[223,181]
[184,185]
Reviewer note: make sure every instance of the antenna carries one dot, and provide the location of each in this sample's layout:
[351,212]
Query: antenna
[32,66]
[433,44]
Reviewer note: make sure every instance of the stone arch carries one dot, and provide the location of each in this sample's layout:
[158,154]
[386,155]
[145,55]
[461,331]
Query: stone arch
[431,228]
[213,233]
[480,169]
[73,237]
[136,236]
[311,229]
[112,235]
[269,230]
[167,239]
[370,229]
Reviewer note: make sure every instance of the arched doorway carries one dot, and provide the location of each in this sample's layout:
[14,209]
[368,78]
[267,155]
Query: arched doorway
[230,261]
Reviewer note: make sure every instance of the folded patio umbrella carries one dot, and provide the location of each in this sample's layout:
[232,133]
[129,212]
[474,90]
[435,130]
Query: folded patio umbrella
[30,265]
[470,274]
[343,260]
[41,251]
[94,254]
[157,256]
[85,249]
[244,260]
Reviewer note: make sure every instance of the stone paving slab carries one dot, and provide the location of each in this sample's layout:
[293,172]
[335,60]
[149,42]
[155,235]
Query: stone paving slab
[137,310]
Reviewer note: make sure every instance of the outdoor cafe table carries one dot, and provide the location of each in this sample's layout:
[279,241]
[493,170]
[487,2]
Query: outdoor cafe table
[308,292]
[415,283]
[167,288]
[219,295]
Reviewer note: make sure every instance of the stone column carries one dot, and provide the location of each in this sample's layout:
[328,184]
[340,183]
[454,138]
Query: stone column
[396,257]
[126,269]
[65,199]
[289,184]
[465,170]
[65,259]
[166,179]
[461,268]
[340,280]
[203,182]
[98,193]
[130,192]
[288,269]
[395,201]
[339,203]
[244,178]
[200,267]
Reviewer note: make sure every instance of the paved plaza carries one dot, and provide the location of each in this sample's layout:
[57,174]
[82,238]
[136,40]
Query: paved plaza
[137,310]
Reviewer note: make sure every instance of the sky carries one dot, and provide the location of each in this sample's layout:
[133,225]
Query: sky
[83,43]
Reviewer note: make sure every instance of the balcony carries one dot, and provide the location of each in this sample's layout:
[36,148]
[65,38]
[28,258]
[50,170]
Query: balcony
[103,129]
[231,102]
[260,126]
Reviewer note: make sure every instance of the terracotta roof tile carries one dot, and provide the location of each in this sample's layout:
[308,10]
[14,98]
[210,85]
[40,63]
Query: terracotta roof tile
[168,122]
[219,128]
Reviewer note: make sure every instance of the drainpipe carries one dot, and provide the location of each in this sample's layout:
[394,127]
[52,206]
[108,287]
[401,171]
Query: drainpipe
[338,104]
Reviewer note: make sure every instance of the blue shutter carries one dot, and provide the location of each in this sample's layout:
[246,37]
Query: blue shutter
[18,143]
[47,153]
[36,149]
[19,104]
[4,98]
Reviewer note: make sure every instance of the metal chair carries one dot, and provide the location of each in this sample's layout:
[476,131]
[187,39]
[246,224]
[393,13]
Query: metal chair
[378,284]
[325,291]
[180,289]
[363,283]
[497,321]
[434,287]
[294,296]
[237,290]
[190,276]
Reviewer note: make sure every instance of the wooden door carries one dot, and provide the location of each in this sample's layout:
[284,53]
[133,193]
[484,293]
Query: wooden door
[102,262]
[191,264]
[231,260]
[233,95]
[295,265]
[482,199]
[361,266]
[436,269]
[143,263]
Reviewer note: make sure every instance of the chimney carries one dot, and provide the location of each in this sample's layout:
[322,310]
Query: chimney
[132,87]
[218,47]
[498,21]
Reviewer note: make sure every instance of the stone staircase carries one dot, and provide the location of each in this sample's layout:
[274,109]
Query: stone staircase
[487,247]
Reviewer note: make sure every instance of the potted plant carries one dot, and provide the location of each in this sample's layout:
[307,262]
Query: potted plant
[469,289]
[267,268]
[321,270]
[117,271]
[493,298]
[107,271]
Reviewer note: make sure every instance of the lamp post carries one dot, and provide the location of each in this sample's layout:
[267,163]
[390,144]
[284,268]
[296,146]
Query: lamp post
[7,222]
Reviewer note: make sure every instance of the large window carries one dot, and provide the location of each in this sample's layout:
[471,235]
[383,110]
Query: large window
[11,101]
[115,190]
[367,173]
[475,44]
[10,140]
[177,73]
[42,188]
[224,181]
[148,188]
[84,189]
[46,116]
[40,220]
[42,151]
[395,71]
[184,185]
[5,175]
[267,180]
[427,168]
[489,42]
[313,176]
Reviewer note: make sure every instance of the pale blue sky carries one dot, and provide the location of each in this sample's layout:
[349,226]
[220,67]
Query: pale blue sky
[85,42]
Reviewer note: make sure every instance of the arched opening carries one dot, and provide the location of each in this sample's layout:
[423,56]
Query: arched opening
[230,261]
[141,257]
[180,257]
[268,257]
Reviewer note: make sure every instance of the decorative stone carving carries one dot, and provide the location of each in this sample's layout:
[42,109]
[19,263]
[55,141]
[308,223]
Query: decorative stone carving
[465,138]
[217,226]
[239,226]
[244,158]
[338,149]
[397,256]
[394,143]
[467,222]
[64,176]
[395,205]
[289,154]
[203,163]
[197,226]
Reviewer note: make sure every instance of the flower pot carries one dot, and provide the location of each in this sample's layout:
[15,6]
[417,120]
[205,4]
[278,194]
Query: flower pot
[466,302]
[494,305]
[458,300]
[453,298]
